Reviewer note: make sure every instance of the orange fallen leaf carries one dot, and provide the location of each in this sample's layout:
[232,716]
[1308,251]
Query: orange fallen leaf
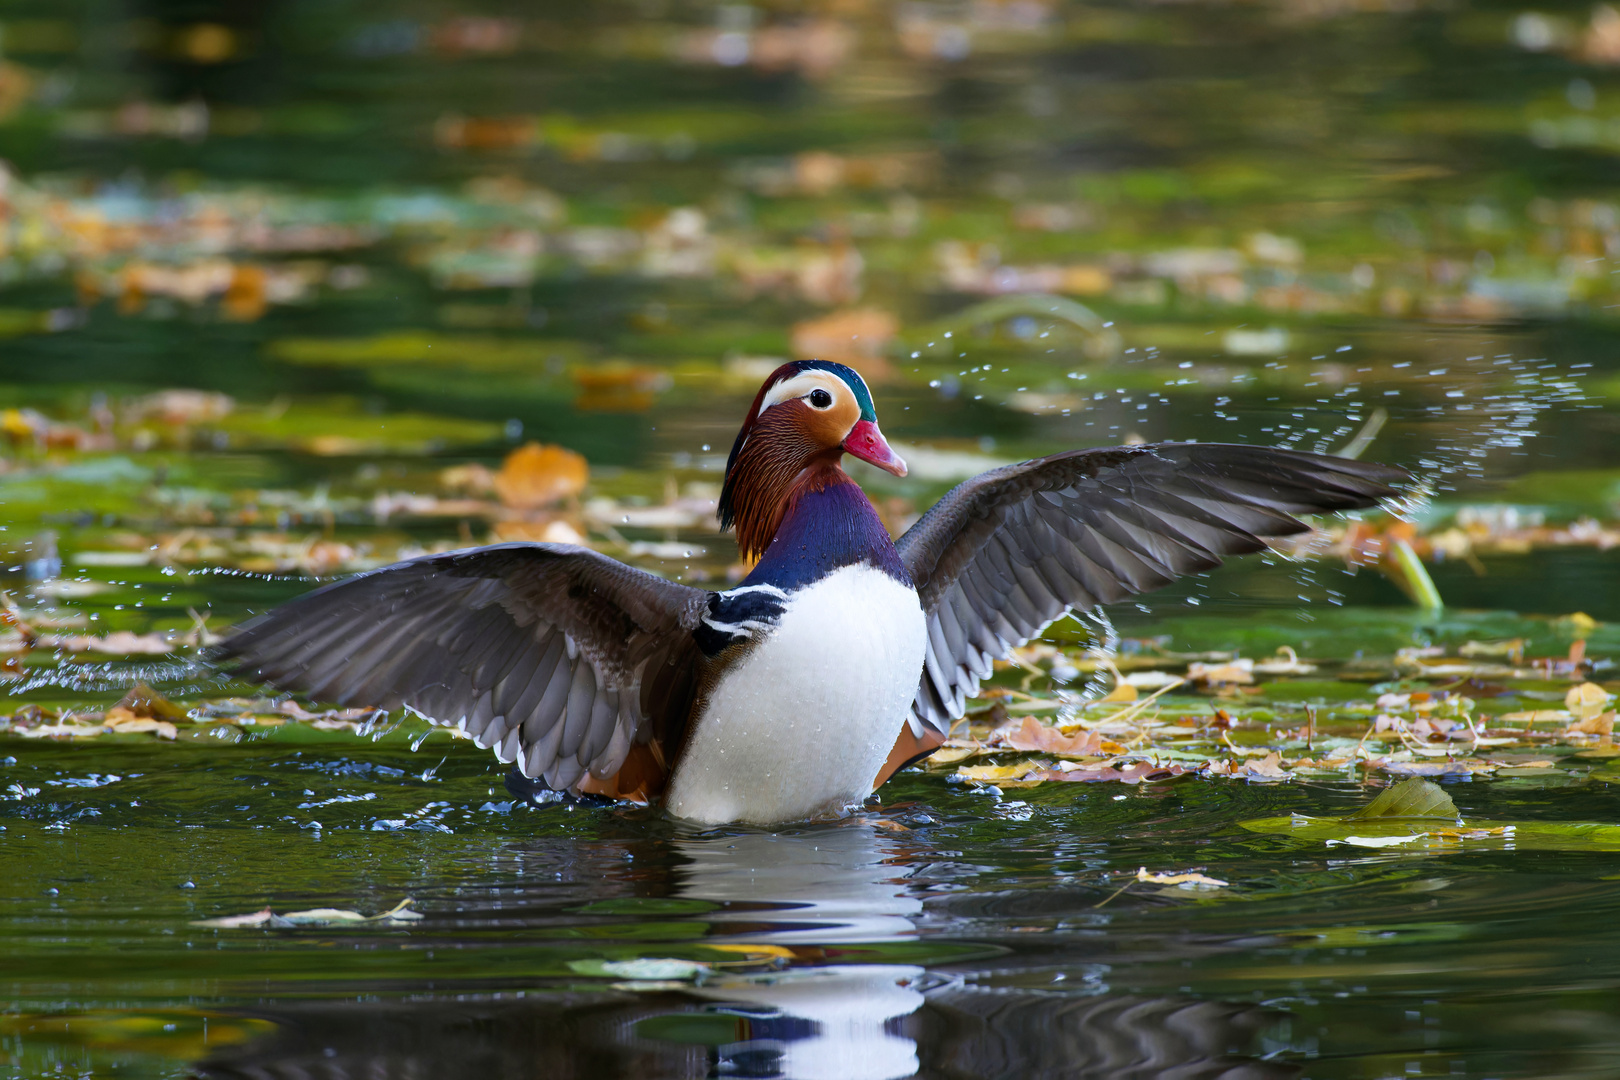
[534,475]
[1602,724]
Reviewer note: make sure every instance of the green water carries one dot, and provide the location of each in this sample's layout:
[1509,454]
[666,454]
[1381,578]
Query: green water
[404,238]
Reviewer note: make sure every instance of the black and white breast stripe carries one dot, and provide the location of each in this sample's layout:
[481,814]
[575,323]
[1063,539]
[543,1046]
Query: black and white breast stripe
[737,615]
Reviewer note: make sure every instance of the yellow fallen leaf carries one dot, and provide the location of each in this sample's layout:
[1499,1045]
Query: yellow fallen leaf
[1122,692]
[120,721]
[1471,834]
[1189,878]
[1587,700]
[990,774]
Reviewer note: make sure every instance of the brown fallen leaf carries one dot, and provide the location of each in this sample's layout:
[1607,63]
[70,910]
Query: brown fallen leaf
[1189,878]
[1031,734]
[1267,768]
[1425,768]
[296,711]
[143,701]
[533,476]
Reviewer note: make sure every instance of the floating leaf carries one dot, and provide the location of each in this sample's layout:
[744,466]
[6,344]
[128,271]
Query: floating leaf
[1137,772]
[120,721]
[312,917]
[237,922]
[1234,672]
[1424,768]
[1031,734]
[990,774]
[650,969]
[1189,878]
[1377,841]
[1267,768]
[1600,724]
[143,701]
[1413,798]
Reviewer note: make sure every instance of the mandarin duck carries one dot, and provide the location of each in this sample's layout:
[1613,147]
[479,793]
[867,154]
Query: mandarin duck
[841,657]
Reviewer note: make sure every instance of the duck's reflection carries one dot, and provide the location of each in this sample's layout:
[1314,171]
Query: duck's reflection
[842,884]
[815,897]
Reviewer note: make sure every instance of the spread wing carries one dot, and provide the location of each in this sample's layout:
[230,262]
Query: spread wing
[561,659]
[1006,553]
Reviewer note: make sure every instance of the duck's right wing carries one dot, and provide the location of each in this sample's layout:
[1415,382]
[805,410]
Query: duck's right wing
[1006,553]
[561,659]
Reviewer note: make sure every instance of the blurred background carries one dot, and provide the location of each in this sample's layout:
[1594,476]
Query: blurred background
[282,285]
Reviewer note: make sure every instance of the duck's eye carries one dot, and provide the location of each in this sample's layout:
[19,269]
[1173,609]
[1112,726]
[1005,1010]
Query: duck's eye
[820,399]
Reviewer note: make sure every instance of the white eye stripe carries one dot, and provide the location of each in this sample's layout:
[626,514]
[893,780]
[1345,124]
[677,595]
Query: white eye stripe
[802,385]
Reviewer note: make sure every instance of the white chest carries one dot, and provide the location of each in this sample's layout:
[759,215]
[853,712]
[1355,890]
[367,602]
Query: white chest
[801,725]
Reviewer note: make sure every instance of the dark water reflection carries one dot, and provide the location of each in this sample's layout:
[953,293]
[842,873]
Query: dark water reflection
[949,935]
[826,893]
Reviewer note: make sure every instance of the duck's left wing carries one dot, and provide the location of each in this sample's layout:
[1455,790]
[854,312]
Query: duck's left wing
[561,659]
[1006,553]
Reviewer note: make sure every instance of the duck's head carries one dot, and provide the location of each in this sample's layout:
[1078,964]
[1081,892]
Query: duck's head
[806,416]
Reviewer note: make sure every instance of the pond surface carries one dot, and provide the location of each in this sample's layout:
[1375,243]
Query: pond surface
[286,292]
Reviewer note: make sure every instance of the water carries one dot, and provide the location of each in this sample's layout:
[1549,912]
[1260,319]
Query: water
[392,244]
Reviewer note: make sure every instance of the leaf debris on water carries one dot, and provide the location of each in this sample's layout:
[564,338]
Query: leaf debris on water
[1190,877]
[400,912]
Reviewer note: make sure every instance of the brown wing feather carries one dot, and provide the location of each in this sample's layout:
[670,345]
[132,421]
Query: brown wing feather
[1004,554]
[563,660]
